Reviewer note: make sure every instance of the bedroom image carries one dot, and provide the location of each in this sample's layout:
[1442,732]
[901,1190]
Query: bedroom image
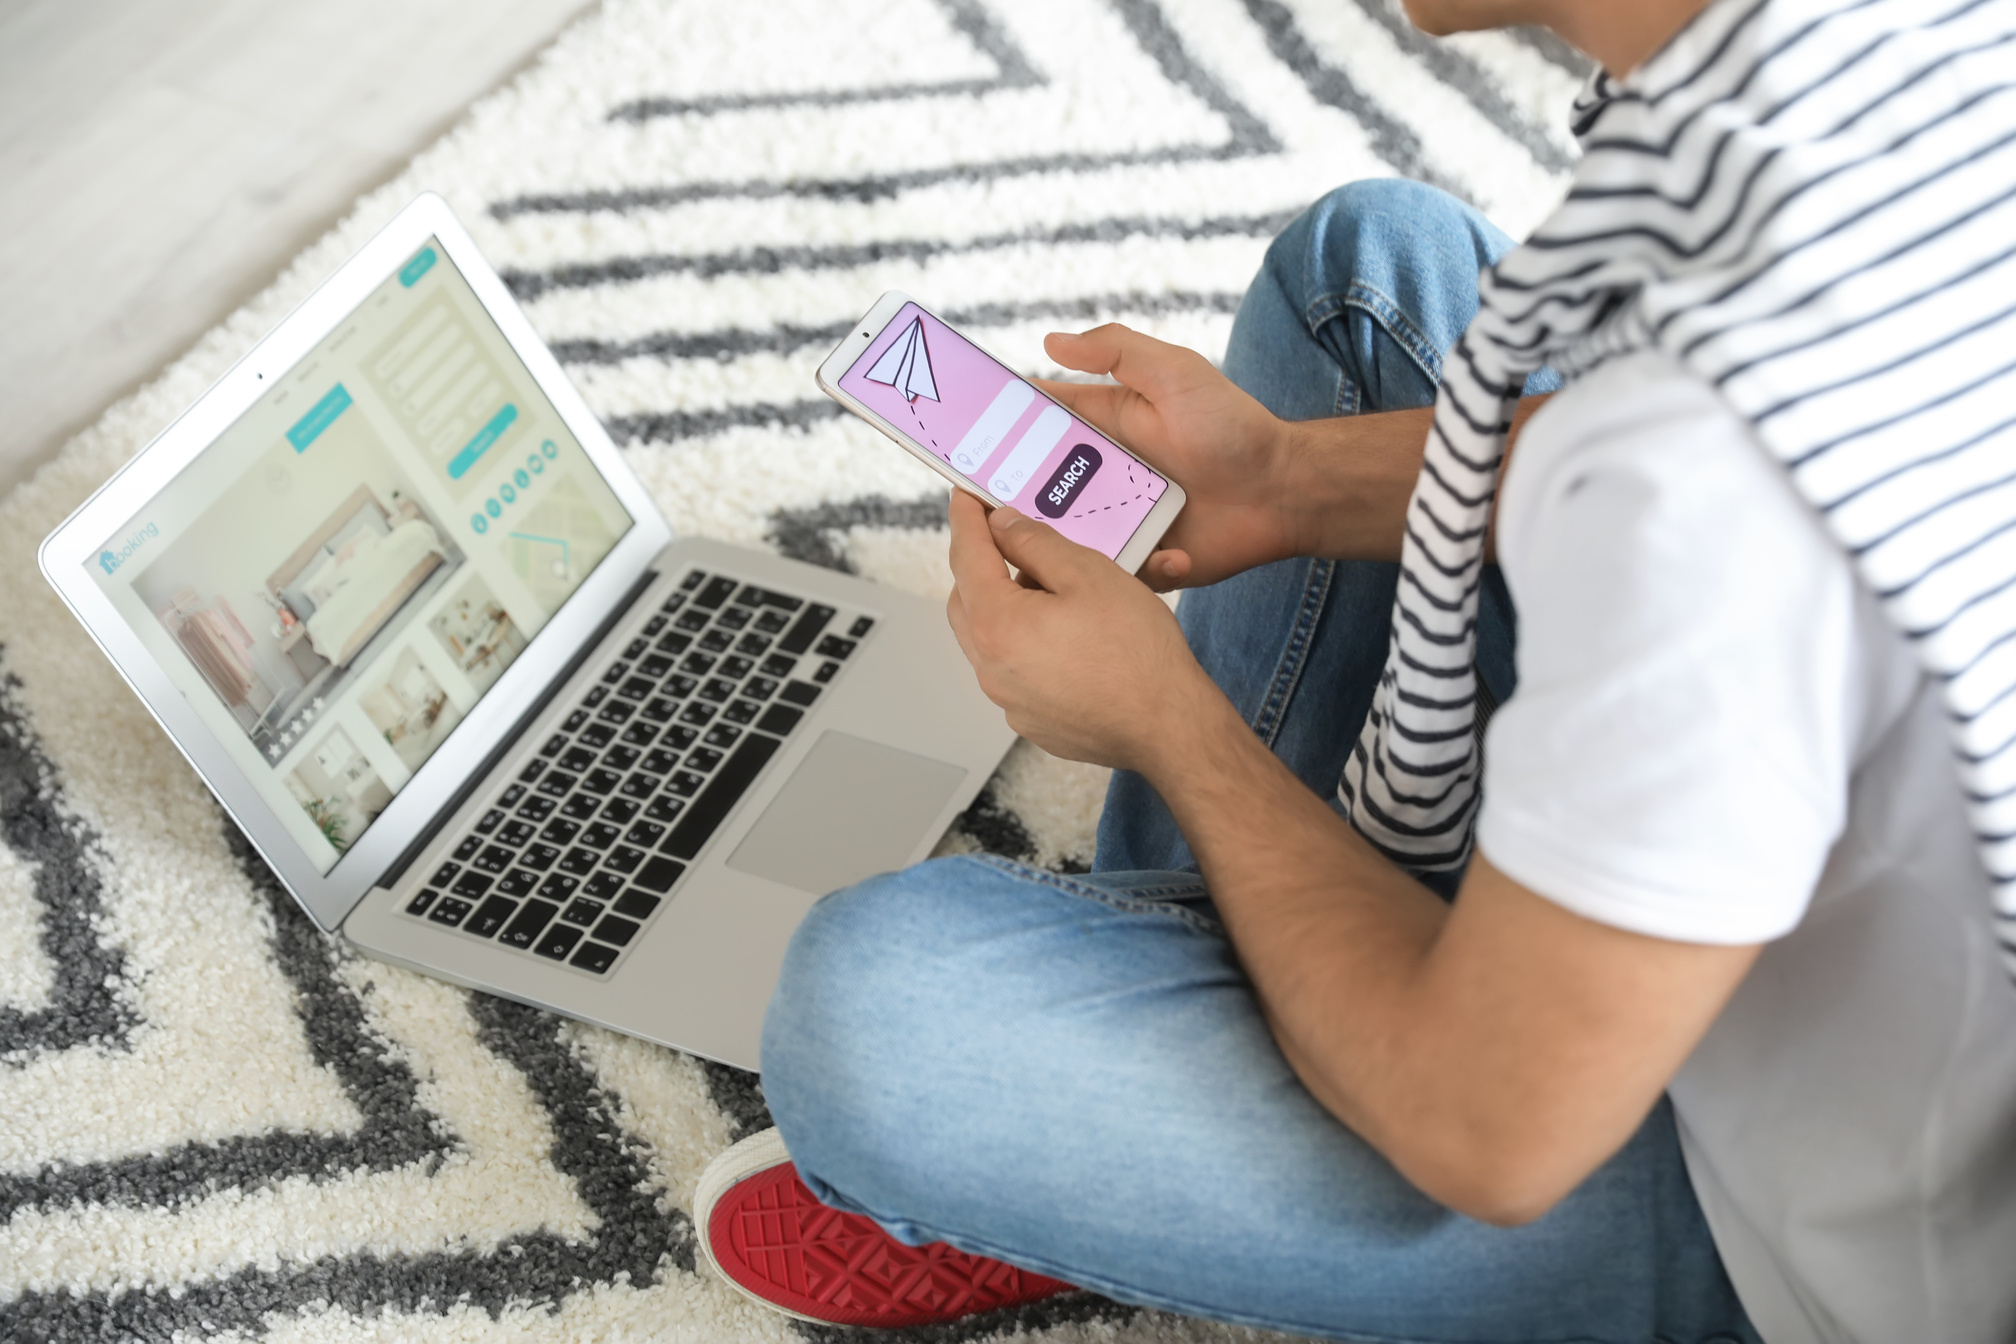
[338,789]
[411,709]
[298,577]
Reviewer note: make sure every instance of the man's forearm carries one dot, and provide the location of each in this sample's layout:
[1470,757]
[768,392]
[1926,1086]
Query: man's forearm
[1351,478]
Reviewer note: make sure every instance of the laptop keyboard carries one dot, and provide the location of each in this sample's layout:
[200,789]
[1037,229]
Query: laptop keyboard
[577,852]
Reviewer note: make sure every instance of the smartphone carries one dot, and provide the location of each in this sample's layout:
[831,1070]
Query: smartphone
[994,434]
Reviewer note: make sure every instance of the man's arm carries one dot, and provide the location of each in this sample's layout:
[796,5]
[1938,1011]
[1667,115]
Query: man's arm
[1261,489]
[1496,1052]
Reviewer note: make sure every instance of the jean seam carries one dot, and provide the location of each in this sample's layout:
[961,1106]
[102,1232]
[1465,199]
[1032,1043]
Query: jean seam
[1150,901]
[1294,654]
[1382,309]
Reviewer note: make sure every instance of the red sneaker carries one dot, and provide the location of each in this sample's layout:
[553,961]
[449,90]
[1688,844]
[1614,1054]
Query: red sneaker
[773,1241]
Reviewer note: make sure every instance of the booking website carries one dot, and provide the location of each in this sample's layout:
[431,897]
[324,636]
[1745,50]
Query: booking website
[338,580]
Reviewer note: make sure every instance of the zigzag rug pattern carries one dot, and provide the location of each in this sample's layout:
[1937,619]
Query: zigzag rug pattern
[217,1124]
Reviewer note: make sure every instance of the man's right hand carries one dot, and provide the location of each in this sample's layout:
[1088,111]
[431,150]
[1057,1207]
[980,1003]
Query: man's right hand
[1188,420]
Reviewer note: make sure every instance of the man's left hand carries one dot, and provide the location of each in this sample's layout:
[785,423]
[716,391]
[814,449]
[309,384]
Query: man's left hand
[1087,662]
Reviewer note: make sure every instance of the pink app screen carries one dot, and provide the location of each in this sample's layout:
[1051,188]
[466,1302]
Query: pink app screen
[999,432]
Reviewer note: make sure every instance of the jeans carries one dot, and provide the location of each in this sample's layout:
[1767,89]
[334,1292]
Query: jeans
[1072,1073]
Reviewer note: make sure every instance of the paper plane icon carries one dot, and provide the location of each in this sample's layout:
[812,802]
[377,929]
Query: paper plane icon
[906,365]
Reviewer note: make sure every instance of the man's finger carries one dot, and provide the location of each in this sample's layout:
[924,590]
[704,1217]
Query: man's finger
[1133,359]
[1166,570]
[1041,552]
[1097,404]
[978,571]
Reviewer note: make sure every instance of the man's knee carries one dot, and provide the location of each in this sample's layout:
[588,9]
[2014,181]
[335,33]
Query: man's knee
[1323,249]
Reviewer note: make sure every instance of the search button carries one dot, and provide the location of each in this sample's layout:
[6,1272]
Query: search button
[1068,481]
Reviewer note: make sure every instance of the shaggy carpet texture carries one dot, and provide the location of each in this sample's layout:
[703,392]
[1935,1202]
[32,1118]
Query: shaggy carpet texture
[216,1123]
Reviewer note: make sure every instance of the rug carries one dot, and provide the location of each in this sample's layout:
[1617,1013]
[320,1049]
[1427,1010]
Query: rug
[217,1124]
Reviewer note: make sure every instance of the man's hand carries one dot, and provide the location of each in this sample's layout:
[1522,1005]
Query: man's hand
[1088,663]
[1190,422]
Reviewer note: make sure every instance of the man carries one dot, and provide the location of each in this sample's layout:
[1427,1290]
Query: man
[1253,1067]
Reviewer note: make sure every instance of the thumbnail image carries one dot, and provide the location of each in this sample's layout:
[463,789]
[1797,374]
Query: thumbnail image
[410,709]
[338,789]
[558,541]
[295,579]
[478,634]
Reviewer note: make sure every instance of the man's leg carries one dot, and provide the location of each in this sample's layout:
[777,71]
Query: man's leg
[1072,1074]
[1351,312]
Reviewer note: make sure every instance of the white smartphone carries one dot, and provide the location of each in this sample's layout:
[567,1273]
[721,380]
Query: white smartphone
[994,434]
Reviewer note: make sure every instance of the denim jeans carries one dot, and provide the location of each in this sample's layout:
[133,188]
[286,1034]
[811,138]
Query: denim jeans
[1072,1073]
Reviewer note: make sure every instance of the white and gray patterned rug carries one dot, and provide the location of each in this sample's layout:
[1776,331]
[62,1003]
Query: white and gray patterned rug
[216,1123]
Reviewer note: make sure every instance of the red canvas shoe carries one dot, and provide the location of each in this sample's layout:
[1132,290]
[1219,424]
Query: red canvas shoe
[773,1241]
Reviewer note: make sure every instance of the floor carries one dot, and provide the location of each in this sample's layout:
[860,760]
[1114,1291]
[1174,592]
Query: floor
[161,160]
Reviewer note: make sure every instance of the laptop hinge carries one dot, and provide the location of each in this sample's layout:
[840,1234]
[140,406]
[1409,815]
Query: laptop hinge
[477,777]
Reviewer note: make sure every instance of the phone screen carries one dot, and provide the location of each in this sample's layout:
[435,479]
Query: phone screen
[963,405]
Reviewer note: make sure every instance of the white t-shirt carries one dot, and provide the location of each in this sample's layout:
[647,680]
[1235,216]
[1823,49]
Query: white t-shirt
[1718,737]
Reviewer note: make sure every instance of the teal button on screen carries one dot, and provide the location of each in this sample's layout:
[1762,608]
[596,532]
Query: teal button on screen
[423,261]
[458,466]
[310,426]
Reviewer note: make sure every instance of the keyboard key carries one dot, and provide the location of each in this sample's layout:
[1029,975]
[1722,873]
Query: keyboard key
[558,942]
[658,875]
[619,810]
[780,719]
[697,714]
[697,664]
[536,808]
[444,874]
[558,886]
[770,622]
[449,911]
[717,690]
[664,807]
[579,861]
[702,759]
[742,711]
[624,859]
[641,786]
[714,594]
[490,822]
[494,858]
[596,695]
[759,688]
[692,620]
[490,916]
[601,781]
[597,736]
[655,667]
[517,833]
[594,957]
[750,596]
[575,721]
[517,882]
[715,641]
[805,629]
[638,904]
[653,626]
[559,832]
[578,760]
[640,734]
[661,709]
[732,619]
[680,737]
[722,735]
[418,905]
[645,833]
[616,712]
[511,796]
[861,626]
[638,688]
[533,769]
[471,885]
[601,835]
[615,929]
[685,783]
[784,600]
[735,668]
[755,646]
[620,758]
[719,799]
[602,886]
[467,849]
[798,693]
[554,745]
[539,857]
[661,761]
[615,672]
[581,806]
[558,784]
[582,912]
[679,686]
[834,647]
[826,672]
[636,647]
[693,580]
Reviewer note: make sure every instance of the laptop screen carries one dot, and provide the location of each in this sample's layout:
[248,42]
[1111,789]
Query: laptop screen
[339,578]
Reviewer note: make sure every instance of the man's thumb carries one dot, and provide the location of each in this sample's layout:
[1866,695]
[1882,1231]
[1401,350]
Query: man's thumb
[1036,549]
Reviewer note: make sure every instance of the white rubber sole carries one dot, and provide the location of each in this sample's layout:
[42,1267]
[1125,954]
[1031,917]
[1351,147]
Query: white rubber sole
[757,1153]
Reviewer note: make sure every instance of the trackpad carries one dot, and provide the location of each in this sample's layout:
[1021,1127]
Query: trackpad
[852,809]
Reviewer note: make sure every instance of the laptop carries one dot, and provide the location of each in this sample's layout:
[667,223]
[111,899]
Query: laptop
[396,596]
